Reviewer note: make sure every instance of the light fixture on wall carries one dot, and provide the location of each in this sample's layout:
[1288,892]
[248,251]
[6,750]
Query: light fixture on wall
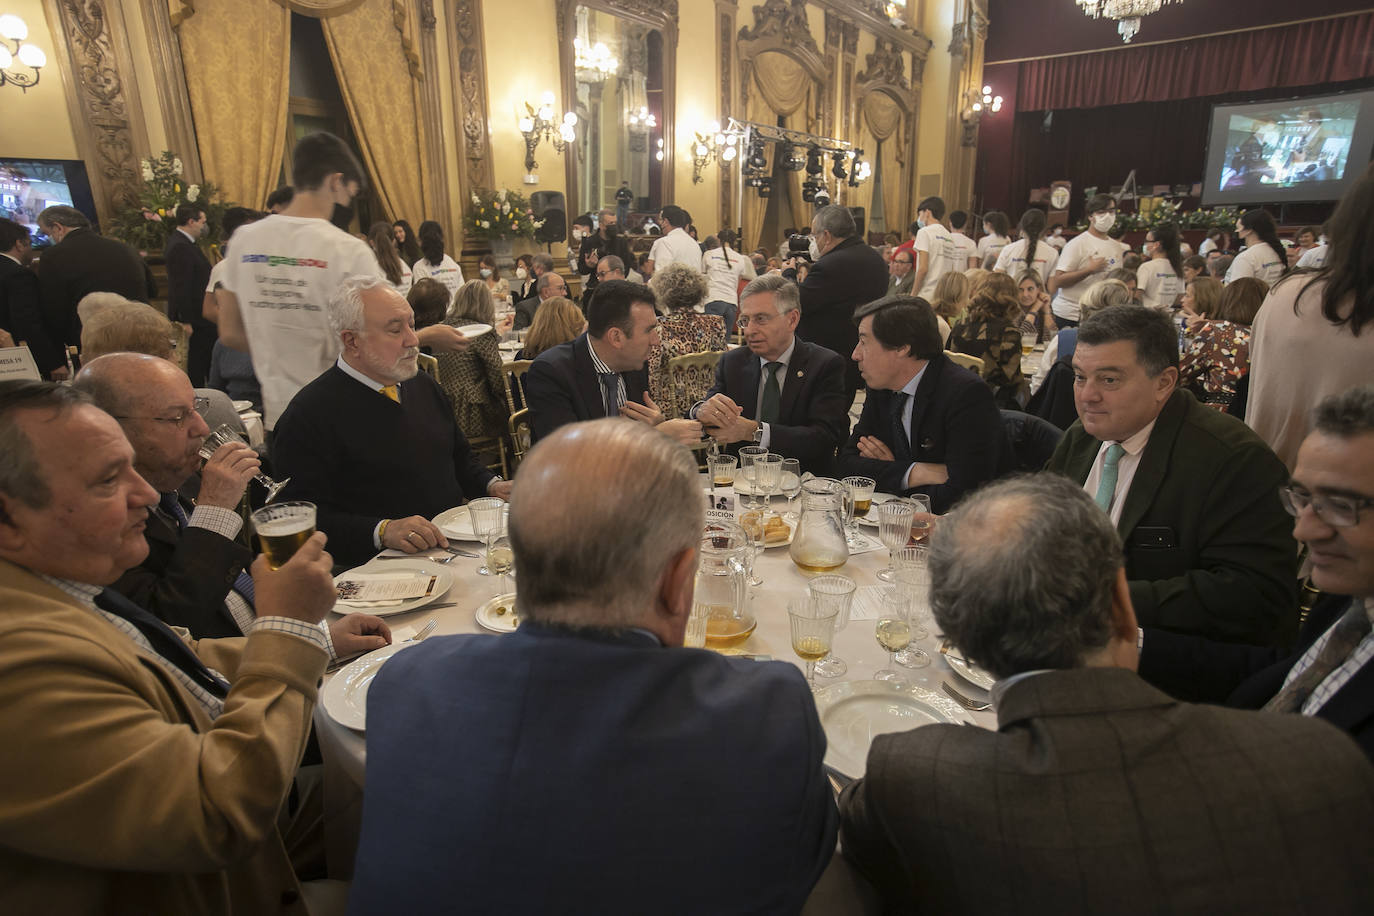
[712,144]
[14,31]
[642,121]
[538,124]
[976,106]
[1127,13]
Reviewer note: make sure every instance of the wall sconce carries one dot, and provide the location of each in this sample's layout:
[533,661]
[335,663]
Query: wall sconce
[710,144]
[13,30]
[539,124]
[975,107]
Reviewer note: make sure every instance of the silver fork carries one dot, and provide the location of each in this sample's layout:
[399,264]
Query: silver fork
[972,705]
[424,631]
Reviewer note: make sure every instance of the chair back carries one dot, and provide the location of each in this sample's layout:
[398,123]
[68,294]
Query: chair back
[689,378]
[519,425]
[515,383]
[973,363]
[1033,440]
[428,364]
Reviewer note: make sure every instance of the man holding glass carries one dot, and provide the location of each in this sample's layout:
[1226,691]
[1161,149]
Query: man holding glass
[605,769]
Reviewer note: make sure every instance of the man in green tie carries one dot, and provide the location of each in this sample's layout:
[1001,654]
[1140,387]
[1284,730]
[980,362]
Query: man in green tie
[1192,492]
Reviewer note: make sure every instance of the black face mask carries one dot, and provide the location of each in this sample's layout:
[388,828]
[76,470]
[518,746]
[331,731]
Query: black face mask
[342,216]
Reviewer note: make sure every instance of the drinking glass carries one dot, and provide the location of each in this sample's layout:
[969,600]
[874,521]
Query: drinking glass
[893,632]
[747,455]
[753,523]
[838,592]
[722,469]
[923,519]
[912,586]
[858,499]
[791,484]
[223,435]
[283,529]
[813,630]
[767,477]
[1028,339]
[500,559]
[894,529]
[487,519]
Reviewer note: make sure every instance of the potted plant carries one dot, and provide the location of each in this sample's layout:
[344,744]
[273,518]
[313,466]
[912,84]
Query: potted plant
[147,223]
[500,217]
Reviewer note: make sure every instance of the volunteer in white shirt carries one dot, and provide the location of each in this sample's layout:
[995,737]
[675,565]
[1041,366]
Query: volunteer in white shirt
[1160,278]
[968,257]
[996,236]
[936,251]
[677,247]
[1085,260]
[725,268]
[436,264]
[1013,260]
[1264,256]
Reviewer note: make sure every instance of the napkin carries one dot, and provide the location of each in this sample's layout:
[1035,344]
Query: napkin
[379,582]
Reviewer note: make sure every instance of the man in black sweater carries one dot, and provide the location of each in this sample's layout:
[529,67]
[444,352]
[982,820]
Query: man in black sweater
[370,442]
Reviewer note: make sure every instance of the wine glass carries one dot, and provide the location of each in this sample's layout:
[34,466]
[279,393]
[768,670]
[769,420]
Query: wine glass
[813,630]
[838,592]
[754,528]
[893,632]
[746,473]
[767,477]
[487,520]
[912,584]
[791,483]
[858,499]
[500,558]
[894,529]
[223,435]
[923,519]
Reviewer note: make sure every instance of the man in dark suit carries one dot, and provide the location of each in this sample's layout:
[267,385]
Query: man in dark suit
[188,275]
[1097,793]
[901,272]
[1193,492]
[602,373]
[548,285]
[84,262]
[627,773]
[373,442]
[779,390]
[847,274]
[1329,673]
[21,309]
[928,426]
[606,240]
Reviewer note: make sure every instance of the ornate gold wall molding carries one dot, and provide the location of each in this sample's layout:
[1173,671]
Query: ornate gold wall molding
[782,27]
[432,113]
[468,73]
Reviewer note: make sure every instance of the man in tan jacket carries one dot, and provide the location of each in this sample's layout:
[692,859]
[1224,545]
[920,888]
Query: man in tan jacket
[143,771]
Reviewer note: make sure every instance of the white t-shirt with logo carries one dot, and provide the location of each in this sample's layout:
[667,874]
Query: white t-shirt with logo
[1313,257]
[283,269]
[1259,261]
[447,272]
[1081,249]
[991,245]
[1012,260]
[968,248]
[677,247]
[406,280]
[942,256]
[1159,286]
[723,275]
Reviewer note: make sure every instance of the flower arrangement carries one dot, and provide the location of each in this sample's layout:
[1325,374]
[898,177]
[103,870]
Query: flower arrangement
[499,214]
[1167,211]
[147,223]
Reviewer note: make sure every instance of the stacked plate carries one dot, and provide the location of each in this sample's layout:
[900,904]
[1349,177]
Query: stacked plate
[853,713]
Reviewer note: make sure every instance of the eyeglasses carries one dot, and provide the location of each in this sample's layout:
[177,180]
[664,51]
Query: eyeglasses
[758,320]
[1336,511]
[179,421]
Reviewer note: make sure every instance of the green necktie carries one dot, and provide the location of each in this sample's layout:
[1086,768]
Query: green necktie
[772,395]
[1106,487]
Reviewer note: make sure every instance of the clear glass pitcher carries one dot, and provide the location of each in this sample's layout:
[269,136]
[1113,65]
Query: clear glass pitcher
[819,545]
[721,616]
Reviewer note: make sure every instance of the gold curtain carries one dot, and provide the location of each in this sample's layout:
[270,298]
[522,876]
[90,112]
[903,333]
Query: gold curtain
[781,87]
[240,123]
[379,73]
[884,119]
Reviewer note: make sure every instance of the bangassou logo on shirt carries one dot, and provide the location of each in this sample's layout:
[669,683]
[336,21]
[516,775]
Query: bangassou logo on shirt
[278,260]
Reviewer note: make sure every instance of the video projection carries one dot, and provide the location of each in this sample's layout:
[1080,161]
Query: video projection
[1294,149]
[28,186]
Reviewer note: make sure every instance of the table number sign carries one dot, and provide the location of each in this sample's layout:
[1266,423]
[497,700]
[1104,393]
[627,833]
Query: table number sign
[16,364]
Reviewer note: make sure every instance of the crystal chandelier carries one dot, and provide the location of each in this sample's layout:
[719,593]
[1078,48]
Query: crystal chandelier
[1127,13]
[593,60]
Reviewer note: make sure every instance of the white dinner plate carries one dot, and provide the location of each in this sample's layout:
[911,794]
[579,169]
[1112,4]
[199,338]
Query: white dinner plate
[456,524]
[498,623]
[241,406]
[345,696]
[443,581]
[474,330]
[971,673]
[853,713]
[510,345]
[746,487]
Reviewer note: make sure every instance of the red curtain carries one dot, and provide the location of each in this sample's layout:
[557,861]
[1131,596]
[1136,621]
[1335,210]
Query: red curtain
[1327,50]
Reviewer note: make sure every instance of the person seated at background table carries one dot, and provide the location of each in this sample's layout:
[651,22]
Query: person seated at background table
[928,426]
[991,331]
[1036,314]
[1193,492]
[1052,389]
[1329,672]
[603,372]
[610,268]
[372,444]
[1097,793]
[950,301]
[1194,266]
[1201,296]
[148,769]
[680,290]
[497,285]
[725,808]
[561,321]
[1219,355]
[788,391]
[474,379]
[546,287]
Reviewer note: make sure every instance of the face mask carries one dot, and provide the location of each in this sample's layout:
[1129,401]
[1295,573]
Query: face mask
[920,223]
[1145,249]
[611,231]
[577,235]
[486,273]
[521,273]
[814,250]
[1104,221]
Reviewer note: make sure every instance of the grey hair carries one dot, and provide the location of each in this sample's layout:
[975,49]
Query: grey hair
[836,220]
[98,301]
[345,308]
[21,468]
[785,293]
[679,287]
[604,211]
[543,260]
[1022,573]
[612,262]
[474,302]
[587,560]
[1346,415]
[1102,295]
[62,215]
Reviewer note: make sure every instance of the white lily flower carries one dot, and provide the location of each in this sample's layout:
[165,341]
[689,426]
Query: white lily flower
[176,166]
[193,192]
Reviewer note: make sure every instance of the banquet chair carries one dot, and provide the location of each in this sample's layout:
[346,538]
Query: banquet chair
[973,363]
[689,378]
[515,382]
[429,365]
[519,437]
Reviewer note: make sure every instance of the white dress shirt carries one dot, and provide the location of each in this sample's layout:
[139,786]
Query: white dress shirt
[677,247]
[1125,470]
[1337,679]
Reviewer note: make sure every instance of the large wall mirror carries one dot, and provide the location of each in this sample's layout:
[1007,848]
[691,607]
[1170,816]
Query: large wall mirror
[617,60]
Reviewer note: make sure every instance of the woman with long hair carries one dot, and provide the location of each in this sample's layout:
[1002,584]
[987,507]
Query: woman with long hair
[405,242]
[1031,252]
[950,299]
[524,277]
[557,321]
[725,270]
[1200,298]
[1036,314]
[680,288]
[1314,335]
[991,331]
[996,236]
[1264,255]
[383,242]
[1160,279]
[474,379]
[434,262]
[1219,354]
[491,276]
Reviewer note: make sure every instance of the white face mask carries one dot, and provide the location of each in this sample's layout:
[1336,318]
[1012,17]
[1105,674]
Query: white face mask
[920,223]
[486,273]
[1103,222]
[578,234]
[521,273]
[814,250]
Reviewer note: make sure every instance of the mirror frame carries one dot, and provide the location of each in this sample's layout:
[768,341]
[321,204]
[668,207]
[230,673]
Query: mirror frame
[656,14]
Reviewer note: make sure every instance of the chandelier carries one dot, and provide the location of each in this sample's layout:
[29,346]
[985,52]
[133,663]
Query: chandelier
[14,31]
[1127,13]
[593,61]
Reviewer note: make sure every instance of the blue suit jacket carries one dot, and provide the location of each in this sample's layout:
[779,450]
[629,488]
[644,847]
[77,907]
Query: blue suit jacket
[561,387]
[551,771]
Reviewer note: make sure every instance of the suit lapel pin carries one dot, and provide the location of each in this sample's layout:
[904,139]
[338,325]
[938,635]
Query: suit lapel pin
[926,443]
[800,373]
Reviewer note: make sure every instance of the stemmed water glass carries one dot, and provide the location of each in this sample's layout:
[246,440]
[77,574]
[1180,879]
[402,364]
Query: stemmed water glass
[911,586]
[791,483]
[223,435]
[813,630]
[500,558]
[838,592]
[921,521]
[767,477]
[893,632]
[748,474]
[487,521]
[857,500]
[894,529]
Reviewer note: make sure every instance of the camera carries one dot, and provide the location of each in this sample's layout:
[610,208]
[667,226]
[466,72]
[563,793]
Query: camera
[799,247]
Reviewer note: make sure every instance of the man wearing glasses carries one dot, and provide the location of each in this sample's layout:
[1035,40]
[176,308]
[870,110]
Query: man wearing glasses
[1328,673]
[900,271]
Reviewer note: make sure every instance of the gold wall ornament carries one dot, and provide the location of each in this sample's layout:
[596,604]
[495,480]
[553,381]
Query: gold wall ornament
[782,20]
[319,8]
[469,68]
[885,65]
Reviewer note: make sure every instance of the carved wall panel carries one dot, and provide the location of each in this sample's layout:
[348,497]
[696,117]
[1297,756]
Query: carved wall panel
[468,64]
[431,112]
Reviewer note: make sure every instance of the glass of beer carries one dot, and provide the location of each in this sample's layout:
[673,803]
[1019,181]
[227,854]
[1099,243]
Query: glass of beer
[813,630]
[283,528]
[1028,339]
[858,499]
[722,470]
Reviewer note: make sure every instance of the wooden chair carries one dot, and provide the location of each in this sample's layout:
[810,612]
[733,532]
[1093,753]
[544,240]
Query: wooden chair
[519,437]
[689,378]
[973,363]
[515,376]
[429,364]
